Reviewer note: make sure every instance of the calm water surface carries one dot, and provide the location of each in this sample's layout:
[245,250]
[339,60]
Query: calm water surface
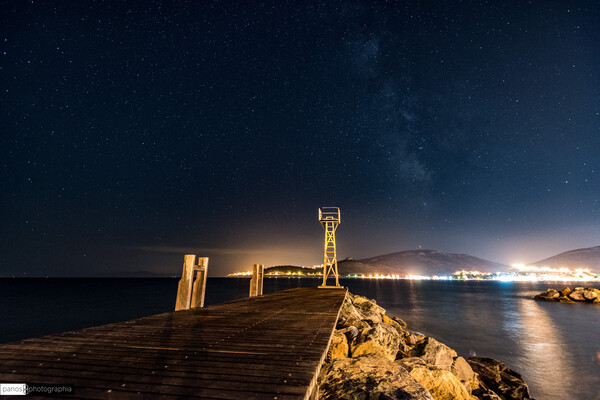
[554,346]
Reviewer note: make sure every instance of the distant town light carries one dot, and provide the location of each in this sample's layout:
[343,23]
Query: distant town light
[521,273]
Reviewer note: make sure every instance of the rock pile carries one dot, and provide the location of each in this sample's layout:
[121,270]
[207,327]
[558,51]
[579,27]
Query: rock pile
[579,294]
[373,356]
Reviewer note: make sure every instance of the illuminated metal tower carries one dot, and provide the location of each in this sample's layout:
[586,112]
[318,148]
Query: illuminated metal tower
[330,219]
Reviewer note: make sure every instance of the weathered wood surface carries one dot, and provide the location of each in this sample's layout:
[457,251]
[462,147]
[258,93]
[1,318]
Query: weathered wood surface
[266,347]
[256,283]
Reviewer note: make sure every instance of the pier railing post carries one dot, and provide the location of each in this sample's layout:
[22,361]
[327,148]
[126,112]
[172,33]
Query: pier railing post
[199,289]
[256,283]
[190,293]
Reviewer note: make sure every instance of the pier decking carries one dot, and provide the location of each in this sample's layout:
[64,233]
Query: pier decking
[266,347]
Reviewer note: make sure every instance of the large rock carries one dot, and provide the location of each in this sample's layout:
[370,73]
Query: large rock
[434,353]
[369,377]
[463,371]
[393,322]
[577,295]
[550,294]
[380,339]
[350,332]
[350,316]
[412,339]
[590,295]
[338,347]
[400,322]
[442,384]
[483,393]
[565,300]
[499,378]
[368,309]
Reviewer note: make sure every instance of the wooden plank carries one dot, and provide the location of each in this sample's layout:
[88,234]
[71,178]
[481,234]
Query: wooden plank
[268,346]
[238,375]
[152,382]
[223,354]
[213,367]
[97,389]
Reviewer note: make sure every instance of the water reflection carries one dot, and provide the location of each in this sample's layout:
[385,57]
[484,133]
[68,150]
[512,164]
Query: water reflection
[543,352]
[553,345]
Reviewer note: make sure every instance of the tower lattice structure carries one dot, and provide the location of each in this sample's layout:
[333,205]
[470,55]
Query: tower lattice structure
[330,219]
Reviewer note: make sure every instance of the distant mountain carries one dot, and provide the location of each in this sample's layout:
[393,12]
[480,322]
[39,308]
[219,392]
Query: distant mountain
[418,262]
[579,258]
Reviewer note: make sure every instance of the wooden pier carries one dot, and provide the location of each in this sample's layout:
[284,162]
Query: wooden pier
[265,347]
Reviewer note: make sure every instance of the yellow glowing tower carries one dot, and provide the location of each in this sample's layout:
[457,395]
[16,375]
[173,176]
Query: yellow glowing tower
[330,219]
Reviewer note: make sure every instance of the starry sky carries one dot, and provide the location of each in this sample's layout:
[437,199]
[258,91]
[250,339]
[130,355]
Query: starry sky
[134,132]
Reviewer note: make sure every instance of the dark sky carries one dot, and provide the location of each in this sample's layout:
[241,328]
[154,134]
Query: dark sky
[134,132]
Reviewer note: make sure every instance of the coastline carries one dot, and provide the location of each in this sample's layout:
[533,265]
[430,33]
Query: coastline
[374,356]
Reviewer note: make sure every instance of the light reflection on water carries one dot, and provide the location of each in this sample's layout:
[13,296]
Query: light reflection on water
[542,349]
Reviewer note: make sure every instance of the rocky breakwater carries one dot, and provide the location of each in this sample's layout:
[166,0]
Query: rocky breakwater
[579,295]
[373,356]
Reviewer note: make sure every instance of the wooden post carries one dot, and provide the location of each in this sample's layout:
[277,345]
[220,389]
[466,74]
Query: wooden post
[184,290]
[199,289]
[256,283]
[186,297]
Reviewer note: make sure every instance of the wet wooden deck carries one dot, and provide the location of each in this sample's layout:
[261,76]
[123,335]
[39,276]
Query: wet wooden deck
[267,347]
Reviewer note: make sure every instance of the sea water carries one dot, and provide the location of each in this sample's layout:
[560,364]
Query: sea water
[553,345]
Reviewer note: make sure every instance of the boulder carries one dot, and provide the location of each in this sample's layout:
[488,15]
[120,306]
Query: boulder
[590,295]
[577,295]
[549,295]
[369,377]
[400,322]
[442,384]
[338,347]
[368,309]
[565,292]
[498,378]
[463,371]
[565,300]
[351,332]
[483,393]
[380,339]
[434,353]
[412,339]
[349,316]
[393,323]
[411,362]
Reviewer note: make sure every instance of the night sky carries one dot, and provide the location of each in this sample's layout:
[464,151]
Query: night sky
[134,132]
